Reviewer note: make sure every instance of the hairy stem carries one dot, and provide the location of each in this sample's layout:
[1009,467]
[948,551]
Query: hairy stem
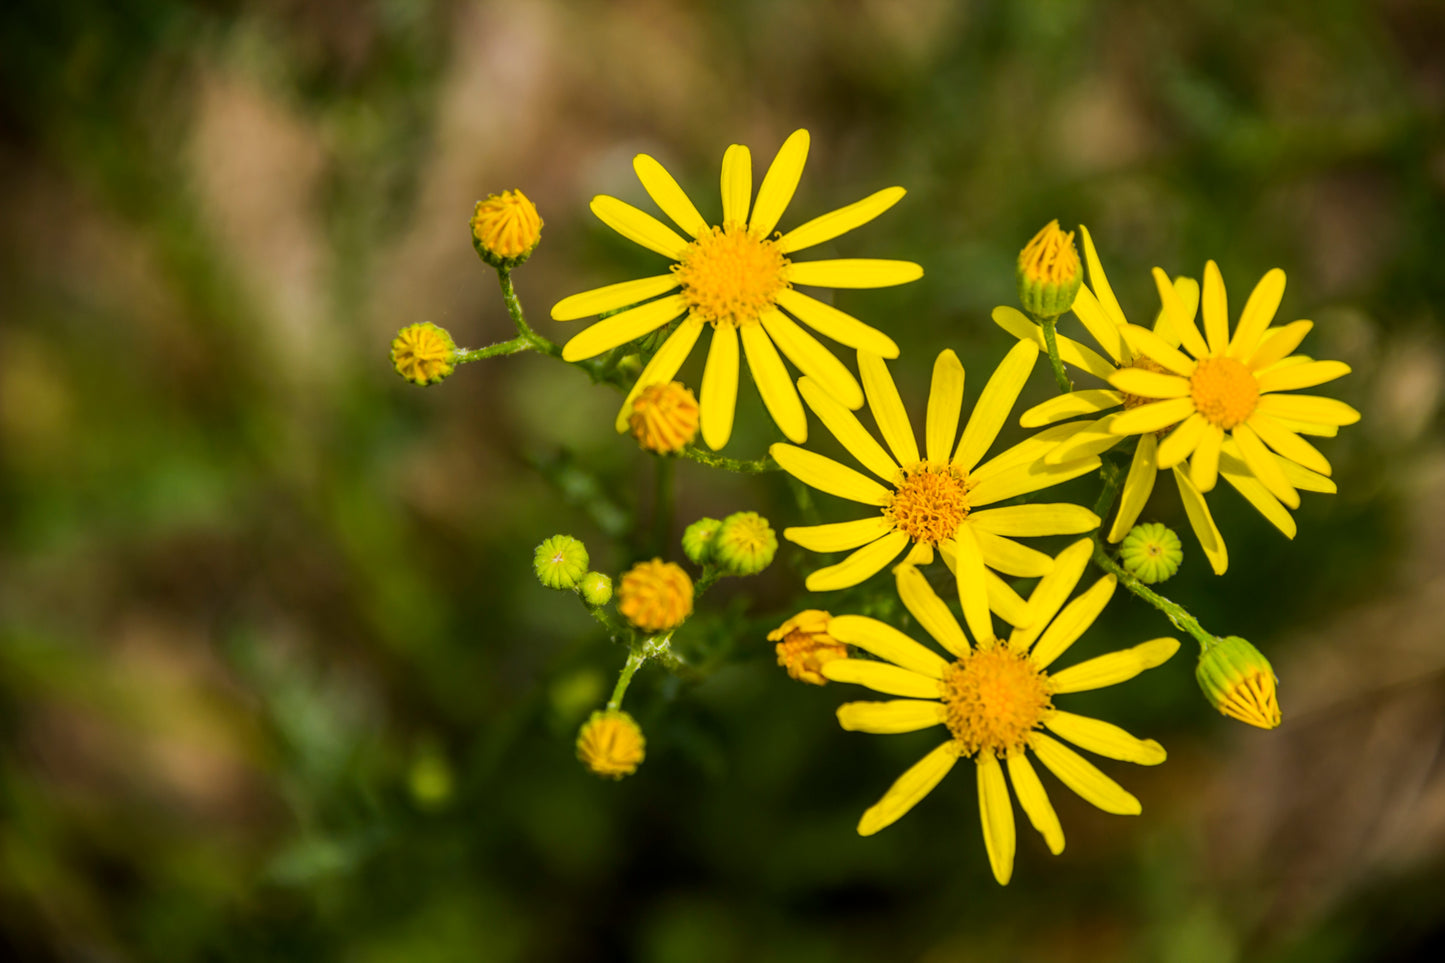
[1051,343]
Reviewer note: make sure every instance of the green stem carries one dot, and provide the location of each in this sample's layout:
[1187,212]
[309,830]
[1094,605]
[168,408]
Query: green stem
[1051,343]
[635,658]
[657,648]
[754,467]
[710,574]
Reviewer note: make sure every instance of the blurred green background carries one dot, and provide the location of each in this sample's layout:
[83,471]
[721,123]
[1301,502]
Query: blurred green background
[276,681]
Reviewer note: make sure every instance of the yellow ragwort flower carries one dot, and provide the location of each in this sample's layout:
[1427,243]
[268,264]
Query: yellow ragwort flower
[1125,356]
[610,743]
[655,596]
[804,646]
[737,277]
[938,501]
[996,700]
[664,417]
[423,353]
[1049,272]
[1239,681]
[505,227]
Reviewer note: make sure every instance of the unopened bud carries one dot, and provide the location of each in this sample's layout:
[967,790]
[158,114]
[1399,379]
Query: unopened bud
[1238,681]
[1049,273]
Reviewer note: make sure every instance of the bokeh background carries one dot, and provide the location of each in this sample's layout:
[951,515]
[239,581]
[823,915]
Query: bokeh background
[276,681]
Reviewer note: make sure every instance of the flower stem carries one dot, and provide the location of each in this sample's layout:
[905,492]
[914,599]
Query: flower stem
[754,467]
[635,657]
[1051,343]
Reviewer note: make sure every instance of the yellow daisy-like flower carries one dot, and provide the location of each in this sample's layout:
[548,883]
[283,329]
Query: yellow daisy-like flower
[937,498]
[738,277]
[1099,311]
[996,699]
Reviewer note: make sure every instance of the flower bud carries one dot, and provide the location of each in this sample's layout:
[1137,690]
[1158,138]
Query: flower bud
[655,596]
[610,743]
[1049,273]
[745,544]
[804,645]
[423,353]
[560,562]
[596,589]
[1238,681]
[664,417]
[505,229]
[697,540]
[1151,553]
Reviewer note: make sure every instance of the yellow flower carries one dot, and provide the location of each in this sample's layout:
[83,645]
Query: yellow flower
[423,353]
[505,228]
[939,500]
[1049,272]
[804,646]
[664,417]
[1127,357]
[996,700]
[737,277]
[655,596]
[610,743]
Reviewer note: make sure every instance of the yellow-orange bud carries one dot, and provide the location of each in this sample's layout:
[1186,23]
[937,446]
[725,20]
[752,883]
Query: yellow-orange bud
[610,743]
[1049,273]
[804,645]
[505,228]
[655,596]
[664,417]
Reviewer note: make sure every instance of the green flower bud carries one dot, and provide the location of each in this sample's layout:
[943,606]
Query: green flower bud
[745,544]
[1238,681]
[423,353]
[1049,272]
[596,589]
[697,540]
[560,562]
[1151,553]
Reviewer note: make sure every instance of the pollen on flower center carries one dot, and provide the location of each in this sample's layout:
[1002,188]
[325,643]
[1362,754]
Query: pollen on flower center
[1224,391]
[930,503]
[993,699]
[730,277]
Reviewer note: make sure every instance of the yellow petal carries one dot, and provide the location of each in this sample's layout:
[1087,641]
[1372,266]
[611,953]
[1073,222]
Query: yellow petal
[1071,352]
[945,404]
[1305,480]
[814,360]
[1137,487]
[931,611]
[1004,602]
[720,387]
[1101,325]
[997,814]
[1264,465]
[887,643]
[1302,376]
[861,565]
[1183,440]
[1204,466]
[1149,384]
[839,536]
[1098,281]
[779,183]
[848,430]
[1059,518]
[832,323]
[1187,290]
[995,404]
[827,475]
[1258,313]
[1116,667]
[887,408]
[612,297]
[841,221]
[1103,738]
[887,718]
[972,586]
[1200,519]
[1179,320]
[664,364]
[1029,478]
[737,184]
[1083,777]
[1308,408]
[1288,444]
[1035,802]
[668,196]
[909,790]
[1152,417]
[1072,622]
[881,677]
[638,226]
[774,383]
[1090,439]
[1146,342]
[853,273]
[1216,310]
[1278,343]
[622,328]
[1027,452]
[1071,405]
[1258,496]
[1009,557]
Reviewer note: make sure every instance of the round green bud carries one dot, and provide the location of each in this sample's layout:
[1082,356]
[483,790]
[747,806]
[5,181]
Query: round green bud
[560,562]
[745,544]
[1151,553]
[1049,272]
[697,540]
[1239,681]
[596,589]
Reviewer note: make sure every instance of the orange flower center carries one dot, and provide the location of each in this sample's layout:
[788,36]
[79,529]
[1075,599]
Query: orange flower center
[993,699]
[1224,391]
[930,503]
[730,277]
